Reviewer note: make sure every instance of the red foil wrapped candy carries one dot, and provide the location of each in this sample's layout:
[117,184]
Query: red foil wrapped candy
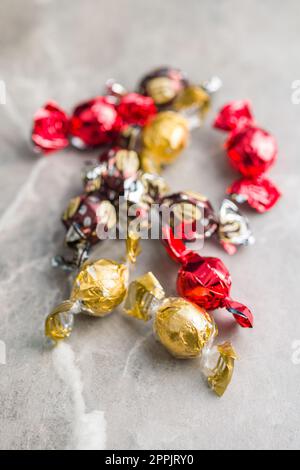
[50,128]
[233,115]
[251,150]
[205,282]
[95,122]
[136,109]
[260,193]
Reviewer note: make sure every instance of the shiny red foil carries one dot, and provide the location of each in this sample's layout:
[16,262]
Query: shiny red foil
[95,122]
[206,282]
[136,109]
[50,128]
[260,193]
[236,114]
[251,150]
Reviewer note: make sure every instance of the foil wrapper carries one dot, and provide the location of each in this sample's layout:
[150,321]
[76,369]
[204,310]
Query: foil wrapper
[206,282]
[119,168]
[259,193]
[86,218]
[164,138]
[194,103]
[234,115]
[251,150]
[163,85]
[184,329]
[99,287]
[193,217]
[50,131]
[136,109]
[94,123]
[233,230]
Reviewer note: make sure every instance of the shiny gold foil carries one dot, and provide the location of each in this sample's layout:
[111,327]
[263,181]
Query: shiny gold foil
[148,164]
[183,328]
[72,208]
[193,97]
[155,187]
[127,161]
[165,137]
[161,89]
[100,286]
[59,323]
[133,247]
[144,297]
[222,374]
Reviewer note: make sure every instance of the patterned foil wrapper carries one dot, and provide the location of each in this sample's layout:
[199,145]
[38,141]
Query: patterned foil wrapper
[190,221]
[119,167]
[86,217]
[233,230]
[163,85]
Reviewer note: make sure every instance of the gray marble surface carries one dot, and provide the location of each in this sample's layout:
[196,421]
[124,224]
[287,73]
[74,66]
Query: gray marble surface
[112,385]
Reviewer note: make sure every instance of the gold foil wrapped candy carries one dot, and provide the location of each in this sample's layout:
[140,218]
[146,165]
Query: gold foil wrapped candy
[164,138]
[100,286]
[193,98]
[98,289]
[184,329]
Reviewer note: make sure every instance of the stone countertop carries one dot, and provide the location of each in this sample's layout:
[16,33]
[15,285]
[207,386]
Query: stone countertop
[112,385]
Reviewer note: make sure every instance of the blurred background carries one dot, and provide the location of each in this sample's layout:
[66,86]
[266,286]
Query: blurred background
[141,398]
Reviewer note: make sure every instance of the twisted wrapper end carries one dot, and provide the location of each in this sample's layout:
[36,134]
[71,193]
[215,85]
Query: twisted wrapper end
[133,248]
[222,374]
[241,313]
[59,323]
[144,296]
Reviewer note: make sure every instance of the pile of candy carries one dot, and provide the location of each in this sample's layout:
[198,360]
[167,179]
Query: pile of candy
[140,133]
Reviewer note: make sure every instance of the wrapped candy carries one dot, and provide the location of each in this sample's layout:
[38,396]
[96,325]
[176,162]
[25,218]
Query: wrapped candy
[107,175]
[164,138]
[234,115]
[141,196]
[190,218]
[251,150]
[98,289]
[136,109]
[194,220]
[163,85]
[185,330]
[205,282]
[95,122]
[119,166]
[50,128]
[83,218]
[171,90]
[260,193]
[233,230]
